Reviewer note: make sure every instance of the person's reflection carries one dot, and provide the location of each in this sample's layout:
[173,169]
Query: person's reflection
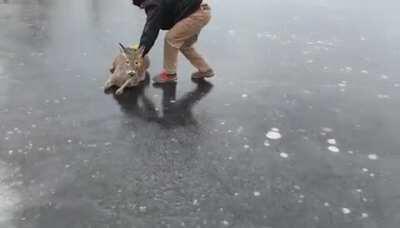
[179,112]
[135,103]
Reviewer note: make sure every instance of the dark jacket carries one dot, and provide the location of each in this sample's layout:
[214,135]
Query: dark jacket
[163,14]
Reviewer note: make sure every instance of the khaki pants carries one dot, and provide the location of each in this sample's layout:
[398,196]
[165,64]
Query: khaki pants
[182,37]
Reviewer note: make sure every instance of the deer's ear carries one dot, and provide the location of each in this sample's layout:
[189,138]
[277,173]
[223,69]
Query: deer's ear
[141,51]
[122,48]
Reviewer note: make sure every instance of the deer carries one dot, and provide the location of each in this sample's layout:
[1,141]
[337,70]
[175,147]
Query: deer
[128,69]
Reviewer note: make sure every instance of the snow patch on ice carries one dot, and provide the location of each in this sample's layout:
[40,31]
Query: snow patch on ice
[274,134]
[327,129]
[331,141]
[373,157]
[383,96]
[284,155]
[346,211]
[333,149]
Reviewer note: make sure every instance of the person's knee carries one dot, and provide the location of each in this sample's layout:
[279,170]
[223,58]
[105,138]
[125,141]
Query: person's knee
[185,48]
[170,39]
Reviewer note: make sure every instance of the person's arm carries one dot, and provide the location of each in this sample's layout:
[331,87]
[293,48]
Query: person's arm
[152,26]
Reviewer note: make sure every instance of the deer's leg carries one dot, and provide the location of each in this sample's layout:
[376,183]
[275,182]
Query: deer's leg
[121,89]
[108,84]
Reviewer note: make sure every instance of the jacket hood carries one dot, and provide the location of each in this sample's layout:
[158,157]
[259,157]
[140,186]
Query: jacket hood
[138,2]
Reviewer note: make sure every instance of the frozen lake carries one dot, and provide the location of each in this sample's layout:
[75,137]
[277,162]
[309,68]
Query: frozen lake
[300,127]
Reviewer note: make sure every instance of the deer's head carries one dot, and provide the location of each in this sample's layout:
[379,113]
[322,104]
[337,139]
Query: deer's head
[134,57]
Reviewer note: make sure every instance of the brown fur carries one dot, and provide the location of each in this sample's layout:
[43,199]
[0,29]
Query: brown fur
[128,69]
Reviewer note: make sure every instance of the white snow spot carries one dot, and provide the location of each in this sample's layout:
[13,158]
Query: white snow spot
[107,144]
[350,152]
[142,209]
[232,32]
[359,190]
[364,72]
[225,223]
[69,141]
[383,76]
[266,143]
[372,174]
[362,38]
[346,211]
[331,141]
[326,204]
[275,129]
[364,215]
[348,69]
[372,157]
[284,155]
[10,152]
[383,96]
[236,194]
[296,187]
[257,193]
[273,134]
[364,170]
[327,129]
[246,147]
[267,35]
[244,95]
[334,149]
[195,202]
